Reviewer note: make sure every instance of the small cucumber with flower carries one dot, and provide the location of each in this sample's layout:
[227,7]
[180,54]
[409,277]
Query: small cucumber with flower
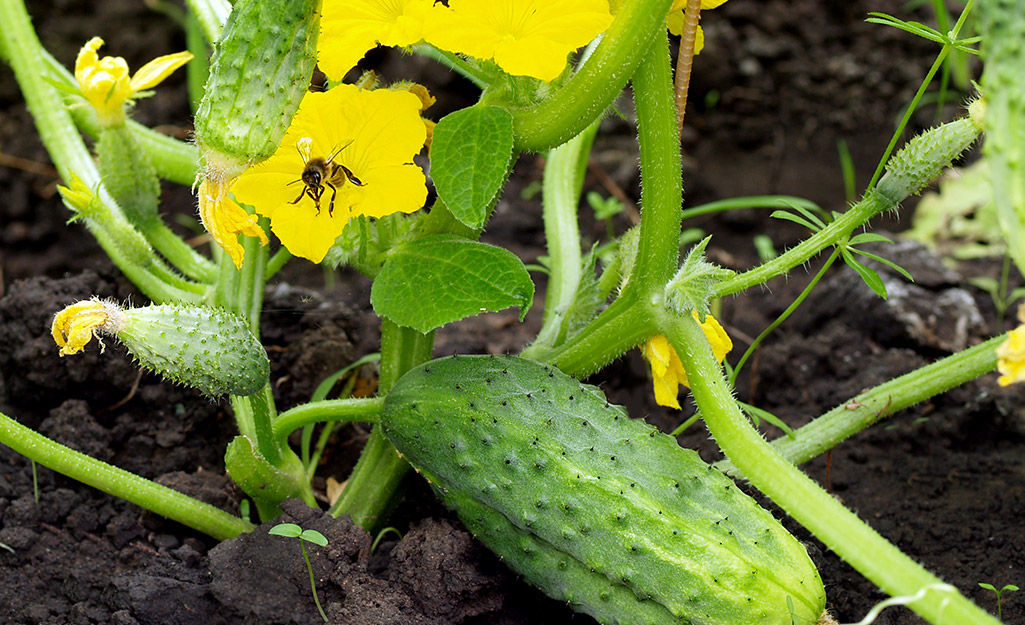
[593,507]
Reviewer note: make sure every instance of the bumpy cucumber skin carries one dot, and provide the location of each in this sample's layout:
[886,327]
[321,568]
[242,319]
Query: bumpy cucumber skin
[924,157]
[210,350]
[593,507]
[259,73]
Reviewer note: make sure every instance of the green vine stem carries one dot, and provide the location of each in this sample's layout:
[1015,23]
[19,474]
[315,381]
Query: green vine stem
[627,321]
[363,410]
[867,408]
[563,180]
[658,249]
[834,232]
[612,333]
[142,492]
[453,62]
[371,489]
[748,201]
[836,526]
[591,90]
[53,122]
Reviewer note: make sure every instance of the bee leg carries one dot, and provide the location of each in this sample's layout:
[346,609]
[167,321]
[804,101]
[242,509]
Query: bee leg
[315,195]
[351,176]
[301,194]
[331,206]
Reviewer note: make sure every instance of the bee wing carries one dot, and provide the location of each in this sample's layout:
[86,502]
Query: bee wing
[338,150]
[304,145]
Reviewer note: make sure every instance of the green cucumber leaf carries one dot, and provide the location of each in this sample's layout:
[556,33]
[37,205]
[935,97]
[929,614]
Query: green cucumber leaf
[470,155]
[440,279]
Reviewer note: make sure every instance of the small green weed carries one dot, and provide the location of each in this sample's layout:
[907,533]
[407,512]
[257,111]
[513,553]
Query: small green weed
[292,530]
[999,593]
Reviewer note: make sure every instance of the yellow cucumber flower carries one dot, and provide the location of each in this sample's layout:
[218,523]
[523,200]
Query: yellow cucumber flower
[348,152]
[667,371]
[105,82]
[674,21]
[77,324]
[525,37]
[349,29]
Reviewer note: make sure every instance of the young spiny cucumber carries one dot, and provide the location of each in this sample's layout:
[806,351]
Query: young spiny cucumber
[259,72]
[211,350]
[593,507]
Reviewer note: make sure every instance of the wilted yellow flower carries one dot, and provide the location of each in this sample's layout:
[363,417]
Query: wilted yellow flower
[105,82]
[667,370]
[225,220]
[348,152]
[1011,357]
[674,21]
[525,37]
[76,325]
[351,28]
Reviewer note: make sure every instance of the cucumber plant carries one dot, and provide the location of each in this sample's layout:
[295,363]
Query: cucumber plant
[591,506]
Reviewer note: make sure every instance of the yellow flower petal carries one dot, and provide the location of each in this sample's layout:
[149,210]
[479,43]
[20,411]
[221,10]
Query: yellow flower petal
[310,235]
[153,73]
[427,101]
[361,144]
[525,37]
[77,324]
[103,82]
[667,370]
[1011,358]
[349,29]
[716,335]
[225,220]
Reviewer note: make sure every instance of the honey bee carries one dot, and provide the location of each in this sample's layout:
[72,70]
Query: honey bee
[320,172]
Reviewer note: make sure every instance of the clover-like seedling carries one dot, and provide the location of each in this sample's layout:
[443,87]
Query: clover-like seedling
[294,531]
[1000,607]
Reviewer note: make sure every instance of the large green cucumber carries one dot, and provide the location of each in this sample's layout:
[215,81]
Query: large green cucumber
[593,507]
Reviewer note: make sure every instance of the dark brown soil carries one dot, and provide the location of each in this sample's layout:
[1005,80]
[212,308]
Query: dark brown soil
[943,481]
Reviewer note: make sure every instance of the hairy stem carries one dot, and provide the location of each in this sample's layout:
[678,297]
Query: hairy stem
[836,526]
[128,486]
